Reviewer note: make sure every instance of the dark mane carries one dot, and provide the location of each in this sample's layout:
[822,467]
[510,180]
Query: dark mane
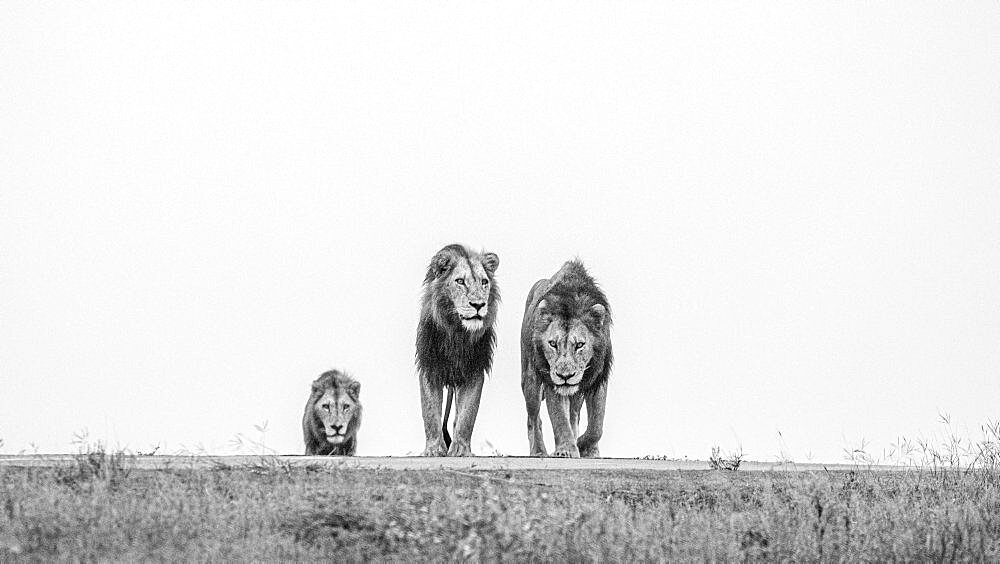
[455,249]
[333,380]
[446,354]
[571,296]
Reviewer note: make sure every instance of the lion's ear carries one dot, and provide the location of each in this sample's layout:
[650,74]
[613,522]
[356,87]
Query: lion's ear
[442,262]
[355,388]
[600,314]
[490,262]
[315,385]
[542,305]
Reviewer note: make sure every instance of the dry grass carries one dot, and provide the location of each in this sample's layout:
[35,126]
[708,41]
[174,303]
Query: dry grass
[102,509]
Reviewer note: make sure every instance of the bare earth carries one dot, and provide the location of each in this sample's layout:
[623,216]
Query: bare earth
[422,463]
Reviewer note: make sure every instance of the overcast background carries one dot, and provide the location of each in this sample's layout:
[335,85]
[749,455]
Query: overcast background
[794,209]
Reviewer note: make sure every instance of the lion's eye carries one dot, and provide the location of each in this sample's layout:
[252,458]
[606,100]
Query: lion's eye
[347,407]
[552,344]
[326,406]
[486,282]
[460,281]
[578,345]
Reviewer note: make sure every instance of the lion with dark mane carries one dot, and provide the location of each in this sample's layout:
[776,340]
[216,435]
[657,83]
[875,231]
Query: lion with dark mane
[333,415]
[455,342]
[566,360]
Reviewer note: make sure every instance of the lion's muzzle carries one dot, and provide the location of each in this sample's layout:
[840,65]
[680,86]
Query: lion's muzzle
[335,434]
[566,383]
[563,378]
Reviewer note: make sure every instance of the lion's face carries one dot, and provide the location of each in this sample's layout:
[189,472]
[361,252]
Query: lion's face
[464,287]
[568,345]
[469,290]
[335,409]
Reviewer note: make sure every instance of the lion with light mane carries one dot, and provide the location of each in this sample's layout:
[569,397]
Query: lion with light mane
[333,415]
[566,360]
[455,342]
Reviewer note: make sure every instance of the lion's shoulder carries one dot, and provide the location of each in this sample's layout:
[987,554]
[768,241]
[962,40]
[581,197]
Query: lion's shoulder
[568,294]
[575,289]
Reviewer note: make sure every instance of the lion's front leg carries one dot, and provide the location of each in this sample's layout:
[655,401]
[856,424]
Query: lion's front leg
[531,387]
[558,406]
[575,404]
[430,404]
[467,400]
[595,423]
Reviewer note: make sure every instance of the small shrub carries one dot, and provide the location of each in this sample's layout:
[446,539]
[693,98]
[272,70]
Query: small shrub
[244,444]
[718,461]
[96,465]
[151,452]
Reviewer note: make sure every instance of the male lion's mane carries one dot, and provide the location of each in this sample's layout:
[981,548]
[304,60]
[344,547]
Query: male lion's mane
[445,351]
[571,296]
[312,426]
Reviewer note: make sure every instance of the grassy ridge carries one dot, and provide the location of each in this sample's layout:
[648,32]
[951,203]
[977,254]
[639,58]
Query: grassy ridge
[101,509]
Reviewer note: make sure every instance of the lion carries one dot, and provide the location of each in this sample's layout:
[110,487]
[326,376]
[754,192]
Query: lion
[333,415]
[566,357]
[455,342]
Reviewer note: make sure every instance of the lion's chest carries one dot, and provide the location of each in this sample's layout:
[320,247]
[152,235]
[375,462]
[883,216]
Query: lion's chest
[451,358]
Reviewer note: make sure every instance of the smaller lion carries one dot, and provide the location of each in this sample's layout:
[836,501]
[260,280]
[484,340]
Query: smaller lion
[566,360]
[333,415]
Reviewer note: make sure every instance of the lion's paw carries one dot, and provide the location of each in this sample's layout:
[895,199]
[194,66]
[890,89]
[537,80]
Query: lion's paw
[459,449]
[434,449]
[588,449]
[566,453]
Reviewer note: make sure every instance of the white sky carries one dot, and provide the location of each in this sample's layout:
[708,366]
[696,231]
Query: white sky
[794,209]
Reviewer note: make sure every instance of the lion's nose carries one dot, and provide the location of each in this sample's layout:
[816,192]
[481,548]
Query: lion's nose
[477,305]
[565,376]
[337,428]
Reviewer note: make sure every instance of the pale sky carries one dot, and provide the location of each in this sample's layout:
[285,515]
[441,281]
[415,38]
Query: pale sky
[794,209]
